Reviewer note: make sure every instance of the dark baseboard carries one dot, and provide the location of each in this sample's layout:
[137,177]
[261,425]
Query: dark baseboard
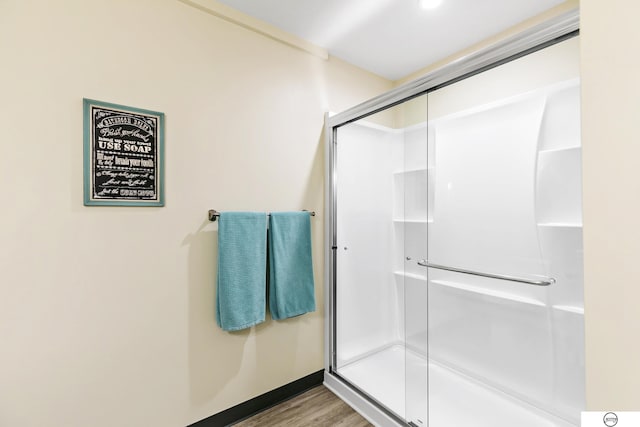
[260,403]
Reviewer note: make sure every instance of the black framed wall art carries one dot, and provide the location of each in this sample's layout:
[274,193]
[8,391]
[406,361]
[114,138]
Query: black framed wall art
[123,155]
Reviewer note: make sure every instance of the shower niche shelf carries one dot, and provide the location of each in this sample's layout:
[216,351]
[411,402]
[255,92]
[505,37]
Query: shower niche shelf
[484,292]
[569,309]
[559,202]
[560,128]
[560,224]
[559,186]
[415,276]
[558,212]
[412,171]
[411,202]
[559,150]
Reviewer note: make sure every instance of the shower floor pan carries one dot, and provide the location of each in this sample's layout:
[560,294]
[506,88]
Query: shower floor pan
[454,400]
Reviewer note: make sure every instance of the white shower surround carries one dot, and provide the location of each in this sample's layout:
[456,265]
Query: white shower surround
[534,359]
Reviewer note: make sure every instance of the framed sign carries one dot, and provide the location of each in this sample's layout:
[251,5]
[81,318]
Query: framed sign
[123,155]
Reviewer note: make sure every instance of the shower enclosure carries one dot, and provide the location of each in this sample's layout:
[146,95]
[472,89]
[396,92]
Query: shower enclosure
[454,290]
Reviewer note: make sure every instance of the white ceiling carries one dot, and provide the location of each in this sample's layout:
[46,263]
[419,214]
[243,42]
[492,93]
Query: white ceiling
[392,38]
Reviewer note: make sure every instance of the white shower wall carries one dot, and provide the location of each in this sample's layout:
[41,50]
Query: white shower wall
[367,307]
[507,200]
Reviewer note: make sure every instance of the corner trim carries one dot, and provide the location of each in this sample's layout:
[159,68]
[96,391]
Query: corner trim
[260,403]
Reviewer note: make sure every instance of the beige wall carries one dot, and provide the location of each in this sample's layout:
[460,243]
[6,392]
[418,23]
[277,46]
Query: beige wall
[611,197]
[106,314]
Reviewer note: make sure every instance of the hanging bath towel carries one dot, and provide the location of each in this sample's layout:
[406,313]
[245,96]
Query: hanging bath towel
[291,290]
[242,270]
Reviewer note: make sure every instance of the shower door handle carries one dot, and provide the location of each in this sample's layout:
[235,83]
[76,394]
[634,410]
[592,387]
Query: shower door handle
[544,282]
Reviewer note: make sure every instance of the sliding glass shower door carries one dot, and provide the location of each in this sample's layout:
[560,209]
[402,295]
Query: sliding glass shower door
[370,296]
[457,250]
[382,211]
[504,262]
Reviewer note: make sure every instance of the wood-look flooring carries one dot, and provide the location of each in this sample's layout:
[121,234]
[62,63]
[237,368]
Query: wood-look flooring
[317,407]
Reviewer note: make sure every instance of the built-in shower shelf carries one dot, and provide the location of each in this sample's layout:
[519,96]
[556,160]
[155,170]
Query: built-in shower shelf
[560,224]
[413,194]
[408,171]
[561,149]
[488,292]
[570,309]
[412,221]
[558,186]
[410,275]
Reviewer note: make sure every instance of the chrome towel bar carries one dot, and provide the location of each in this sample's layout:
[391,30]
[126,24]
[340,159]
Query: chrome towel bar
[545,282]
[214,214]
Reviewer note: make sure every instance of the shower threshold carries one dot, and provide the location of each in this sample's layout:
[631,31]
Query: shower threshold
[453,399]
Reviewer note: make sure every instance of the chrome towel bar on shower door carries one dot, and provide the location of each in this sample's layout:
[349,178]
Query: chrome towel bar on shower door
[545,282]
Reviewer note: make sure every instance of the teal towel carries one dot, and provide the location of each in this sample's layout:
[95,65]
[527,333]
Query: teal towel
[291,291]
[242,270]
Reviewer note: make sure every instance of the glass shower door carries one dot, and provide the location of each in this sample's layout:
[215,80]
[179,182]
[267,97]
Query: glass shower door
[367,323]
[503,262]
[380,346]
[413,204]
